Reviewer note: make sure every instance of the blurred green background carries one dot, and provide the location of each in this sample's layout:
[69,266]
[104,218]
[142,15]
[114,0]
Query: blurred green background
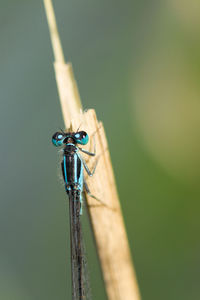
[138,64]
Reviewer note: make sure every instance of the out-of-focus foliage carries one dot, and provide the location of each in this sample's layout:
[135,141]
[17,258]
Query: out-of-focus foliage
[138,64]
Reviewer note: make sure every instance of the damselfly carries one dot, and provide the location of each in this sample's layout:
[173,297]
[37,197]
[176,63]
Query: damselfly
[72,169]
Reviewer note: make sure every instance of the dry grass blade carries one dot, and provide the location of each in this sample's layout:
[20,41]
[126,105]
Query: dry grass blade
[107,221]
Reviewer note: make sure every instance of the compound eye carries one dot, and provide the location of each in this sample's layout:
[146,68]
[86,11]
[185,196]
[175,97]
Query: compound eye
[57,139]
[81,137]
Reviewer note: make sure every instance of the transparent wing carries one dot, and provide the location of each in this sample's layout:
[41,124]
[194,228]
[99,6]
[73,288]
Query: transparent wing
[80,284]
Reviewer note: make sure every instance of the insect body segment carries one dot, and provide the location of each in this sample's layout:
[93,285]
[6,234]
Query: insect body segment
[72,169]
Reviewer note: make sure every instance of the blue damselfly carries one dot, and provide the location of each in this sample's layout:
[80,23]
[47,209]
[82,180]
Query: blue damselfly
[72,170]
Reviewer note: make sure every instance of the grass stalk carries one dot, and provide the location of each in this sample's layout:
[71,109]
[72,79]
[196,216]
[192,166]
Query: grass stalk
[107,221]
